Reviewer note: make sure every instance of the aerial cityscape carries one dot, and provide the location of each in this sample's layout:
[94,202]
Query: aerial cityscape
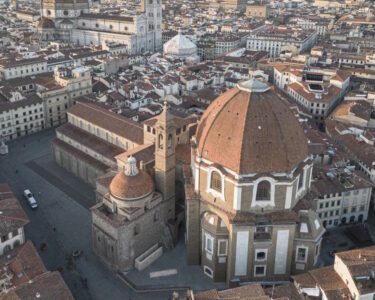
[187,150]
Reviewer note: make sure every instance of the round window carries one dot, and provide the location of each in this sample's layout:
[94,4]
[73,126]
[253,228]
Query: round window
[66,13]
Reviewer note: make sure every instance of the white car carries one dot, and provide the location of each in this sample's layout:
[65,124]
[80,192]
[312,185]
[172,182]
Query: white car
[30,199]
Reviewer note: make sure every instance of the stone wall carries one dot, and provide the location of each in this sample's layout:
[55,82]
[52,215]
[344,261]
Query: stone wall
[74,165]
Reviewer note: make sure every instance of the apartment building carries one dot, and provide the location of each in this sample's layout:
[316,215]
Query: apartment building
[341,196]
[276,39]
[14,67]
[316,91]
[12,220]
[350,277]
[257,11]
[60,94]
[20,114]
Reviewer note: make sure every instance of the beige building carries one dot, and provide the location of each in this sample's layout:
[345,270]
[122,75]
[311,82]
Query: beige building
[350,277]
[15,67]
[257,11]
[316,91]
[229,4]
[20,114]
[60,94]
[246,214]
[12,220]
[341,196]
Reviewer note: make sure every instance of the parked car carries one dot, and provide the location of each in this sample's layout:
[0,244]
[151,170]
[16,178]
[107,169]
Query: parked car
[30,199]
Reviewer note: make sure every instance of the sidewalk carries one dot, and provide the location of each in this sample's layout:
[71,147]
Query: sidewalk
[186,277]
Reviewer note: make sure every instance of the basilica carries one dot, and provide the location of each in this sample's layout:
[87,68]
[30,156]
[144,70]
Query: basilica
[72,22]
[245,192]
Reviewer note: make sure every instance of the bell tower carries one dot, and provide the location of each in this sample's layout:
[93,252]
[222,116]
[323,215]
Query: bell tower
[165,161]
[153,11]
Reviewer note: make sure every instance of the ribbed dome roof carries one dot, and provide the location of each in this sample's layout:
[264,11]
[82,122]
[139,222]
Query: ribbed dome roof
[249,129]
[125,187]
[179,45]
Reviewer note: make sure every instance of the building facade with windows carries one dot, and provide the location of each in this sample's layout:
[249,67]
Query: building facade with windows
[257,11]
[341,197]
[13,67]
[20,114]
[275,40]
[12,220]
[246,214]
[61,93]
[317,91]
[72,21]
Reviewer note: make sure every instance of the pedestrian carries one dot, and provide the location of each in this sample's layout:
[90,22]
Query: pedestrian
[16,171]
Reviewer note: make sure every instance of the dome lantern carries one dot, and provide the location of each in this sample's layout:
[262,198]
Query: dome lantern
[131,167]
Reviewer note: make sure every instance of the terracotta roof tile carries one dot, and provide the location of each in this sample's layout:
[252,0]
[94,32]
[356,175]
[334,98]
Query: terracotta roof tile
[109,121]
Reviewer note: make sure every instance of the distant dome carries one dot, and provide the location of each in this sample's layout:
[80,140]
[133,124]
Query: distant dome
[46,23]
[249,129]
[180,46]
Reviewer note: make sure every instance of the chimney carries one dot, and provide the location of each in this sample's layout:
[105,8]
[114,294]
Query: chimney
[141,165]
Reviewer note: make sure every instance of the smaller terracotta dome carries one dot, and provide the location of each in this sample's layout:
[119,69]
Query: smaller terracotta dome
[125,187]
[131,183]
[46,24]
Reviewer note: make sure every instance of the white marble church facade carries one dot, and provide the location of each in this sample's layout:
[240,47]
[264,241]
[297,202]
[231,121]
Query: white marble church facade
[71,21]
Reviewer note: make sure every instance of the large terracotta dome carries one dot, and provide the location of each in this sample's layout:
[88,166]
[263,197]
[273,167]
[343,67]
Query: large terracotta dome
[131,183]
[249,129]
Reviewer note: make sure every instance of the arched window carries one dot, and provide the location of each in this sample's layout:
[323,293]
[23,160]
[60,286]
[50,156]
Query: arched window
[170,141]
[216,181]
[263,191]
[160,141]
